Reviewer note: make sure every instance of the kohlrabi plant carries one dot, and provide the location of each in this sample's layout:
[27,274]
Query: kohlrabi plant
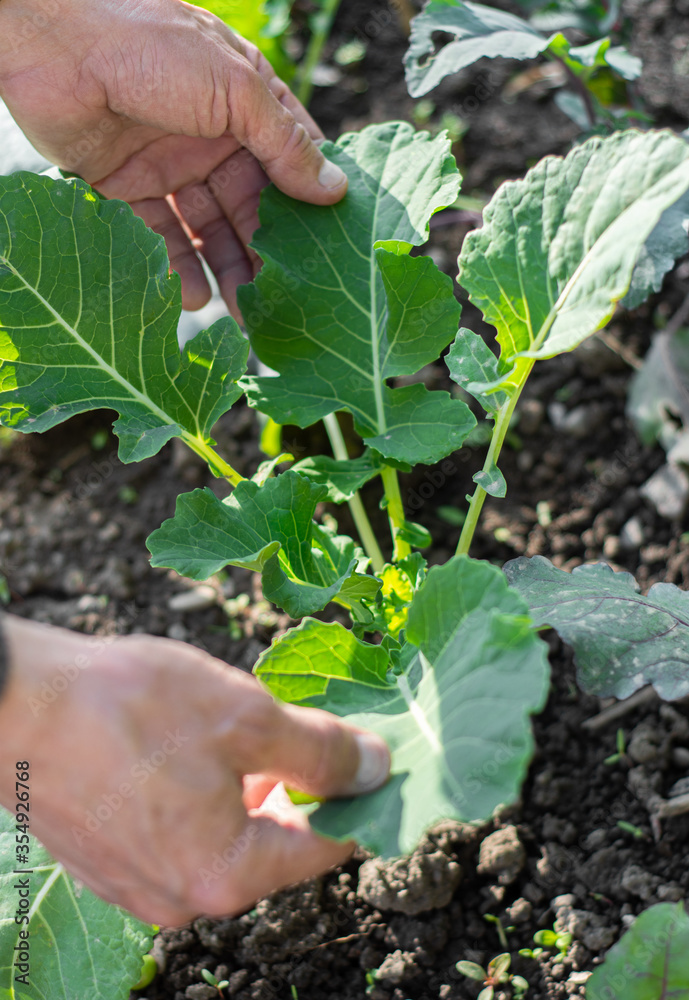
[595,75]
[446,664]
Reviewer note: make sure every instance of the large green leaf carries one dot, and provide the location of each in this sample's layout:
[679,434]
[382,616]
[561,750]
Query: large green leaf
[269,529]
[453,707]
[480,31]
[558,248]
[621,640]
[340,307]
[78,945]
[651,961]
[88,319]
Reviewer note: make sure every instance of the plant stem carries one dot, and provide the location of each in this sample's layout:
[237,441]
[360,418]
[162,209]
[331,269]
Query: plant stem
[401,549]
[218,466]
[325,17]
[363,525]
[502,424]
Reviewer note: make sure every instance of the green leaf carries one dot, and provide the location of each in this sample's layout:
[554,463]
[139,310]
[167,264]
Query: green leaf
[472,971]
[498,966]
[649,962]
[340,307]
[455,752]
[480,32]
[341,479]
[474,367]
[575,227]
[88,319]
[268,529]
[659,391]
[666,243]
[79,946]
[492,481]
[621,640]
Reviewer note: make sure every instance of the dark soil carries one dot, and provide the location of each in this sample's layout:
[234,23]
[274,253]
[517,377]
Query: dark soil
[73,522]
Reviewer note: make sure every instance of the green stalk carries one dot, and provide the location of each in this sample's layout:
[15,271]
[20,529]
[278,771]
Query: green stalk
[502,424]
[358,511]
[303,86]
[395,509]
[218,466]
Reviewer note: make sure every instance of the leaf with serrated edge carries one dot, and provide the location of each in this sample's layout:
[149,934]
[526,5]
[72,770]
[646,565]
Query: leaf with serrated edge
[79,946]
[483,32]
[268,529]
[649,962]
[455,753]
[558,248]
[88,319]
[621,640]
[340,307]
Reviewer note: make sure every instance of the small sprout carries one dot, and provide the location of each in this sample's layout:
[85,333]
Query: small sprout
[635,831]
[149,970]
[621,754]
[520,987]
[371,977]
[502,931]
[212,981]
[496,974]
[5,595]
[532,953]
[293,991]
[554,940]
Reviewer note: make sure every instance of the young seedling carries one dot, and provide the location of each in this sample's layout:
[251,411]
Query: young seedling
[621,754]
[501,931]
[496,974]
[635,831]
[220,985]
[149,970]
[554,940]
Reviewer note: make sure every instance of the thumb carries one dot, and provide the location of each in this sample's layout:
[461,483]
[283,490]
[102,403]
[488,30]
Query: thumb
[315,752]
[281,143]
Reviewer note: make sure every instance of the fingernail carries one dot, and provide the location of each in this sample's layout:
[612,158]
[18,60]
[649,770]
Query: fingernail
[374,763]
[330,175]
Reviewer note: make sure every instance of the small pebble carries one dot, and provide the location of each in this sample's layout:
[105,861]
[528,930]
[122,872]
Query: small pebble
[668,491]
[632,534]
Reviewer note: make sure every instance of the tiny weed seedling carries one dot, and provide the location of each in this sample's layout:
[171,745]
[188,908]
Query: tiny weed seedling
[502,932]
[220,985]
[445,663]
[554,940]
[621,754]
[495,975]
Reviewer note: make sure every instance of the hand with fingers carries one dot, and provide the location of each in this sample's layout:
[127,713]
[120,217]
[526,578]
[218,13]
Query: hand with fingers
[156,770]
[157,102]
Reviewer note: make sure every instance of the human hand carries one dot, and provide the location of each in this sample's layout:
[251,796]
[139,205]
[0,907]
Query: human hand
[157,102]
[151,767]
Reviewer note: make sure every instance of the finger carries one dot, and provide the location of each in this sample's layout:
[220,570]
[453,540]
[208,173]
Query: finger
[280,142]
[221,221]
[312,751]
[278,853]
[280,89]
[159,216]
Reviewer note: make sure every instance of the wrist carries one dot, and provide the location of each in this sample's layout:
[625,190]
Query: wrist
[39,661]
